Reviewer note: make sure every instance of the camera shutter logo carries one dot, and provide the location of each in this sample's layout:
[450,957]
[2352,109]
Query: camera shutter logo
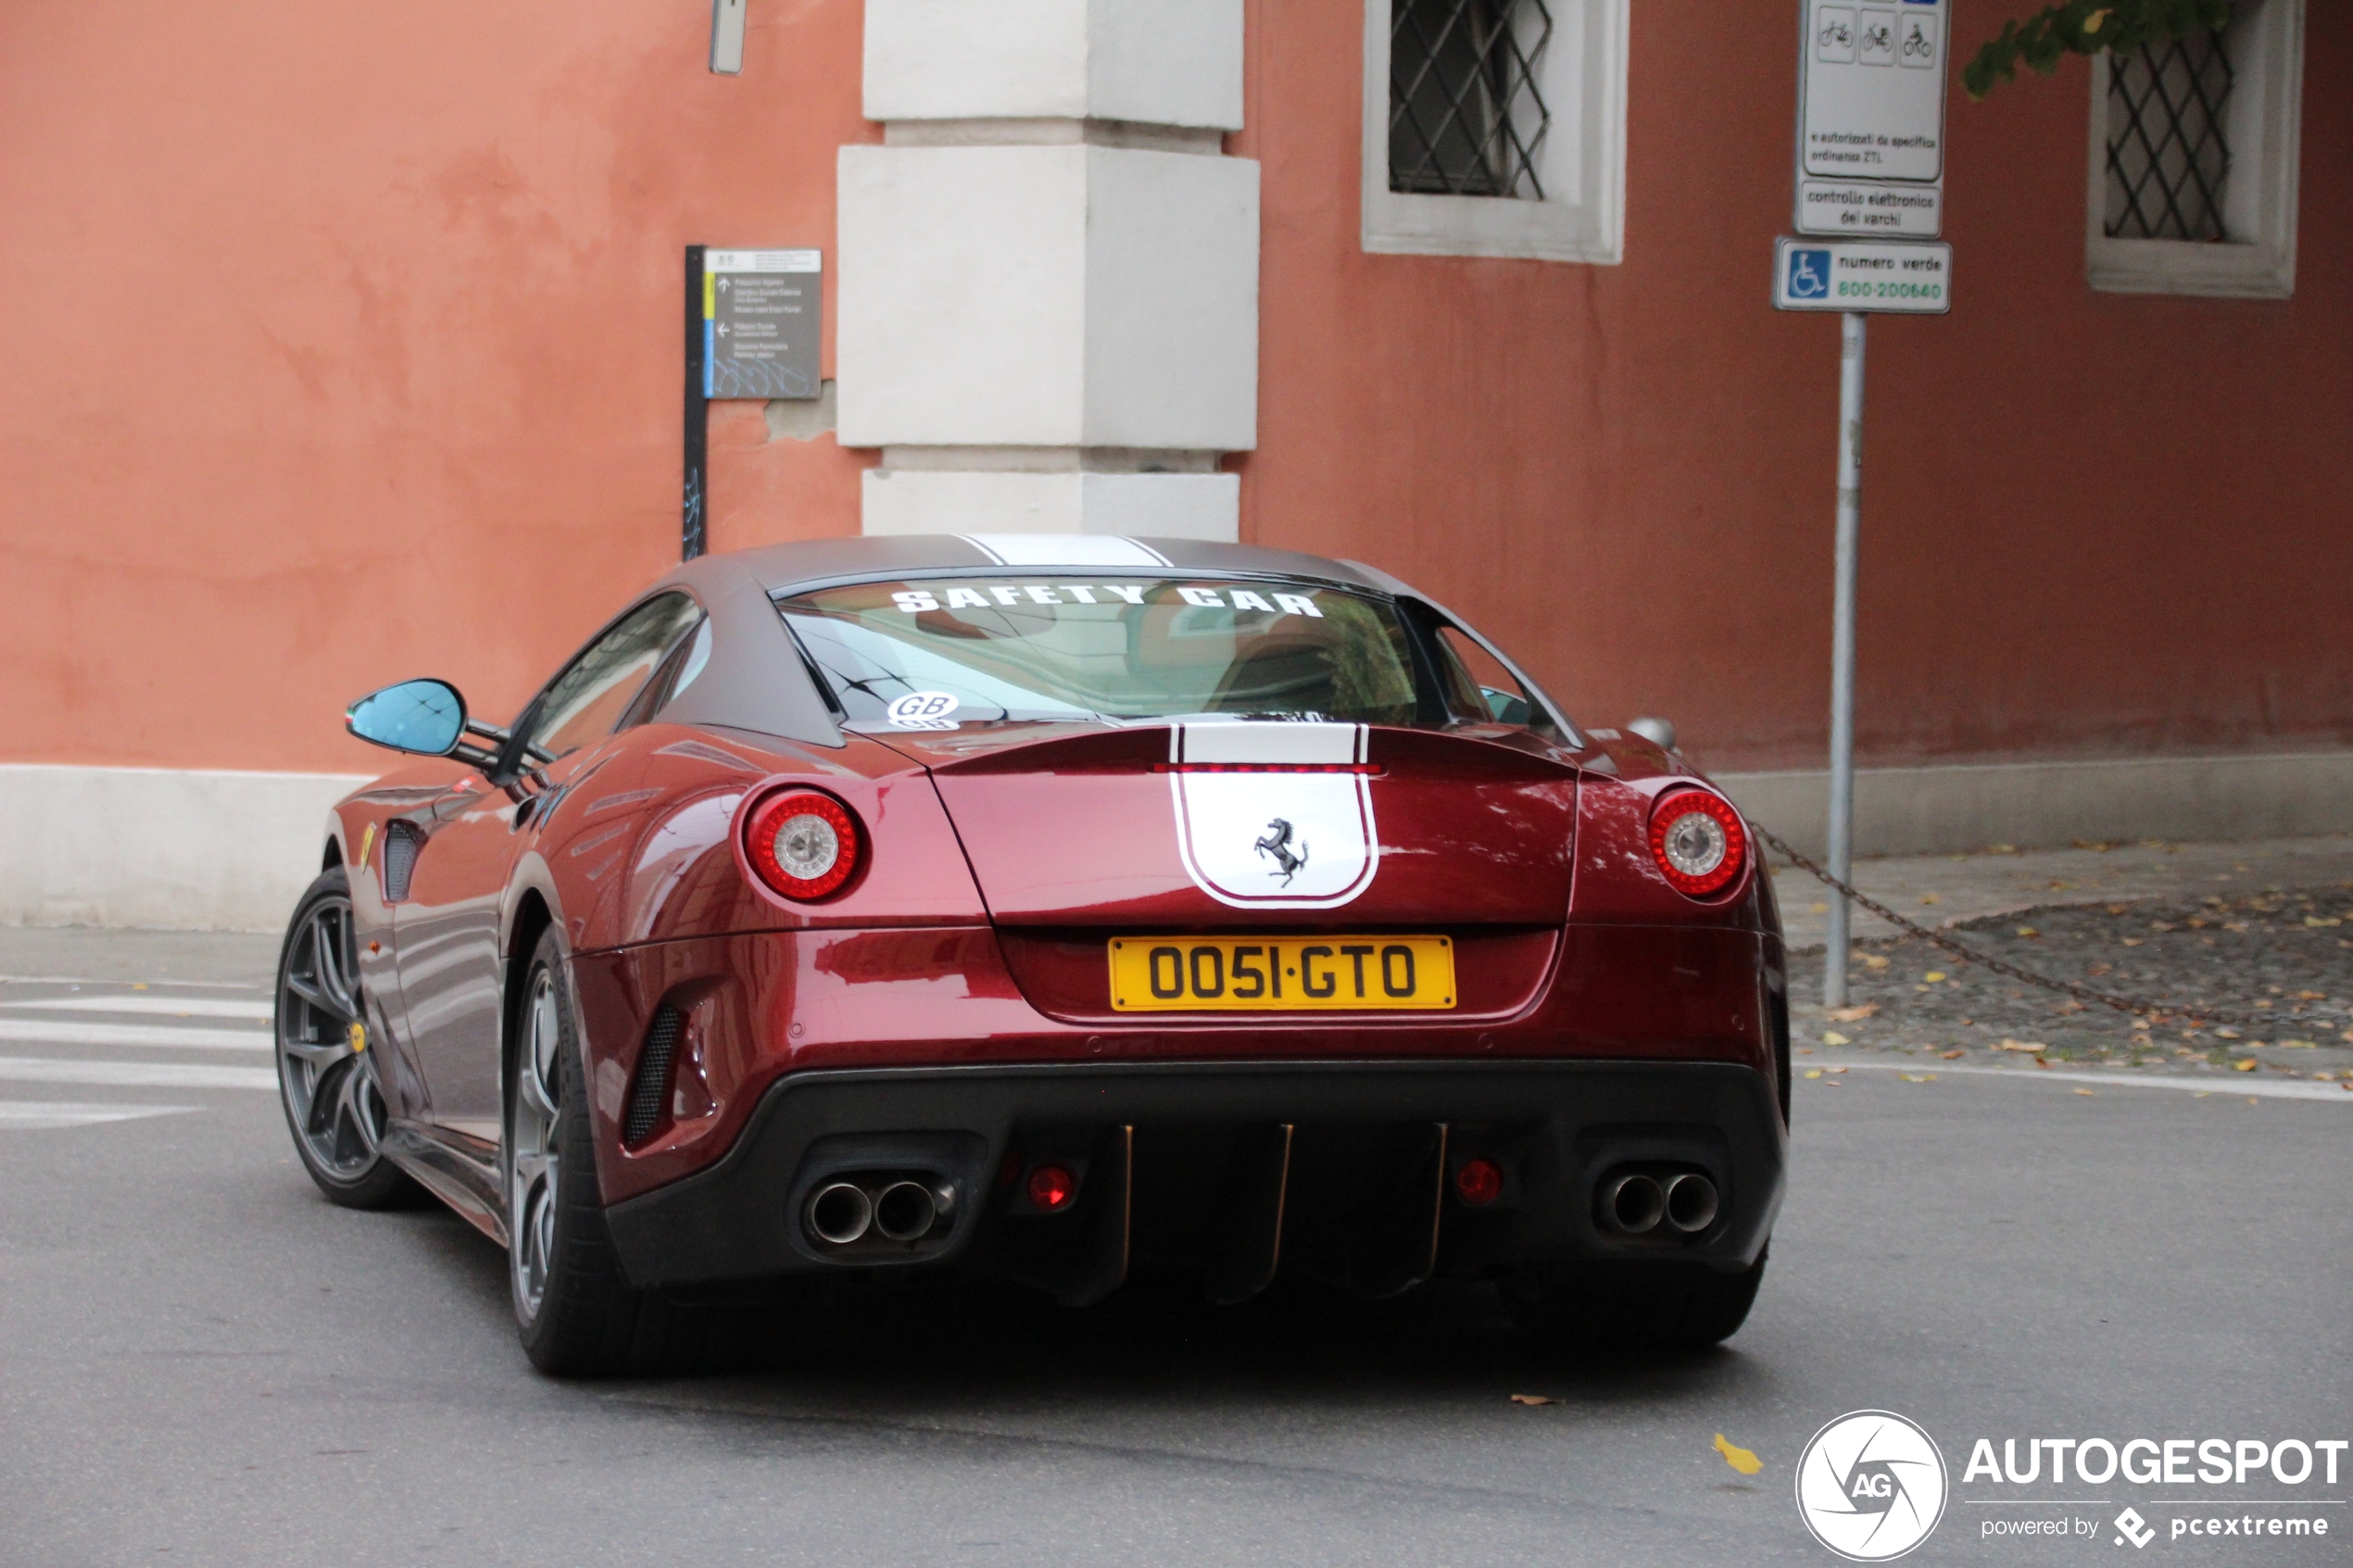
[1871,1485]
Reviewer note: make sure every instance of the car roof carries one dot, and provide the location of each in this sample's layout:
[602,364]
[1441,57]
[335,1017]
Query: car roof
[805,563]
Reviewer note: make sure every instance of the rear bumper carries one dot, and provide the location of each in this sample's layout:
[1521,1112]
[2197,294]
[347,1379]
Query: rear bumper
[1230,1169]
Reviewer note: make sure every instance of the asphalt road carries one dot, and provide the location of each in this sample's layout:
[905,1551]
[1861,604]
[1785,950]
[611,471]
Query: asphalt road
[201,1362]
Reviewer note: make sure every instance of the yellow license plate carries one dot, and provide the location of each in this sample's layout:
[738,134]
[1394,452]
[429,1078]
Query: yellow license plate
[1280,975]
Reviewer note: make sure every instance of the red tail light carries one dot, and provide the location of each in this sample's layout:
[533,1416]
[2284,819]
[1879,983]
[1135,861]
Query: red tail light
[1698,841]
[801,843]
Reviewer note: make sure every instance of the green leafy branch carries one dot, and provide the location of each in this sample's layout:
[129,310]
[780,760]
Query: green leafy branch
[2086,26]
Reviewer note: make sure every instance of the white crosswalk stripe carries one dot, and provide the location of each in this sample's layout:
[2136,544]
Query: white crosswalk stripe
[177,1007]
[75,1032]
[40,1115]
[87,1034]
[145,1074]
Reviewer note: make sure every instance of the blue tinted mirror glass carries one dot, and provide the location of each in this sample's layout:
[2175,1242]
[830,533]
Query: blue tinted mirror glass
[426,716]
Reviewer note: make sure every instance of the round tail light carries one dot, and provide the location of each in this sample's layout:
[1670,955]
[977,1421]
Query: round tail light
[801,843]
[1698,841]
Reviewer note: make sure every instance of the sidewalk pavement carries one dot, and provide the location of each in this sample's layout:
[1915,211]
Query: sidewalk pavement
[1947,890]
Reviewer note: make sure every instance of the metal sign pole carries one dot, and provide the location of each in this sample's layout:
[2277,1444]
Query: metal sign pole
[1850,523]
[694,494]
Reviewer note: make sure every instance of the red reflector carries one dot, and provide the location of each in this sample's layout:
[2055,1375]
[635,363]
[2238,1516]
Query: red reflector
[1051,1189]
[1478,1182]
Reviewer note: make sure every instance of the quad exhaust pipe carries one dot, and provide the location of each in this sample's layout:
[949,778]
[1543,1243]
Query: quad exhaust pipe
[842,1213]
[1634,1203]
[905,1211]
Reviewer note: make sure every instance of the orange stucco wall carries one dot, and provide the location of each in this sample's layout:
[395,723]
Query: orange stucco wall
[2093,524]
[343,344]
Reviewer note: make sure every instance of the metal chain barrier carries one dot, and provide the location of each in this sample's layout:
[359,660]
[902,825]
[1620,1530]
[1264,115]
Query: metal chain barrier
[2150,1012]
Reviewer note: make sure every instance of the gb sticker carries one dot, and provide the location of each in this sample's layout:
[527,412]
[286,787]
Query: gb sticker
[925,710]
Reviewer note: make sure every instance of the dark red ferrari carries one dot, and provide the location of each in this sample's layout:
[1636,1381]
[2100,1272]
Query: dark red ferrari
[1058,909]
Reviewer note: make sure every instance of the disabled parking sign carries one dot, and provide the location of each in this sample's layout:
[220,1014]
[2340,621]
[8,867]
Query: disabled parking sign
[1807,273]
[1884,276]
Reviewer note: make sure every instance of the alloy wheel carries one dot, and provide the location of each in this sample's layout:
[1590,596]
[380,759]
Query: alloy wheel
[531,1146]
[325,1067]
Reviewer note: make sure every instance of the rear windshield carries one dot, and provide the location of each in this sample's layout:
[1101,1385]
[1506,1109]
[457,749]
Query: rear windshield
[936,654]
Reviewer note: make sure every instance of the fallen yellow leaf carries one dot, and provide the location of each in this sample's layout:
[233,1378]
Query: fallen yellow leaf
[2028,931]
[1933,975]
[2009,1044]
[1853,1014]
[1872,960]
[1813,1072]
[1834,1070]
[2084,1091]
[2301,1045]
[2244,1064]
[1832,1037]
[1931,898]
[1950,1055]
[1818,908]
[1534,1399]
[1740,1458]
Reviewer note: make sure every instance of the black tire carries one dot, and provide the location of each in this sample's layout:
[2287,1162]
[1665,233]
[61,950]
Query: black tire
[327,1082]
[576,1313]
[1636,1308]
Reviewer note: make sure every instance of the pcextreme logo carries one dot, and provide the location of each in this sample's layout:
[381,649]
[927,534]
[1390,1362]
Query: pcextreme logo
[1871,1485]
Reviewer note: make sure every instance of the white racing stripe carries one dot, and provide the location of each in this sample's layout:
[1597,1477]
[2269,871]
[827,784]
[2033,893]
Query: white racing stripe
[72,1032]
[1063,549]
[43,1115]
[175,1006]
[136,1074]
[2261,1088]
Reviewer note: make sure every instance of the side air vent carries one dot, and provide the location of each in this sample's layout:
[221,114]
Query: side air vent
[402,840]
[647,1095]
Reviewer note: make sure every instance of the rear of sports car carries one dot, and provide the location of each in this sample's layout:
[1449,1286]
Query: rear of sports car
[1194,924]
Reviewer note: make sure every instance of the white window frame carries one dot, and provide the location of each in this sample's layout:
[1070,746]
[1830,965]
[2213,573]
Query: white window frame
[2265,132]
[1582,217]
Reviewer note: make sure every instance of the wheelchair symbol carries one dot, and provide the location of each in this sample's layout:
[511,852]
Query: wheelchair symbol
[1809,274]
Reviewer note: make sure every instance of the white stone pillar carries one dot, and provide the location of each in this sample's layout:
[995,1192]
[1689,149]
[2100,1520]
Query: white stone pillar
[1047,295]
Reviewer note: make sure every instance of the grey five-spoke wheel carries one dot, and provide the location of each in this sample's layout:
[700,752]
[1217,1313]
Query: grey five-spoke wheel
[333,1100]
[576,1310]
[533,1158]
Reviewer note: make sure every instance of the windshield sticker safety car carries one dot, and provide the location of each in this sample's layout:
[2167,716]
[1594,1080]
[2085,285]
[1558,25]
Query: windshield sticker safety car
[1008,596]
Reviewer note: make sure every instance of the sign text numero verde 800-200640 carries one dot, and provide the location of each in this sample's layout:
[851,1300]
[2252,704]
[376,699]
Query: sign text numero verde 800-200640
[1852,275]
[1280,975]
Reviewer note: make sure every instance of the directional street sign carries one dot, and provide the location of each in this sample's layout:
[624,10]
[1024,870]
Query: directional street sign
[1908,279]
[763,314]
[1871,120]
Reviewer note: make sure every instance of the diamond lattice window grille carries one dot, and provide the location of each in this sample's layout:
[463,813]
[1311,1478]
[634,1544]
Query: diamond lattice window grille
[1466,117]
[2168,156]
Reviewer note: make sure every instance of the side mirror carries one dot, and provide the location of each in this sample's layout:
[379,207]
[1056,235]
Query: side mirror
[1658,732]
[427,718]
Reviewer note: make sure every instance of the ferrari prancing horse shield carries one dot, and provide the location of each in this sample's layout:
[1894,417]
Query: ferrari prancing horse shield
[1274,815]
